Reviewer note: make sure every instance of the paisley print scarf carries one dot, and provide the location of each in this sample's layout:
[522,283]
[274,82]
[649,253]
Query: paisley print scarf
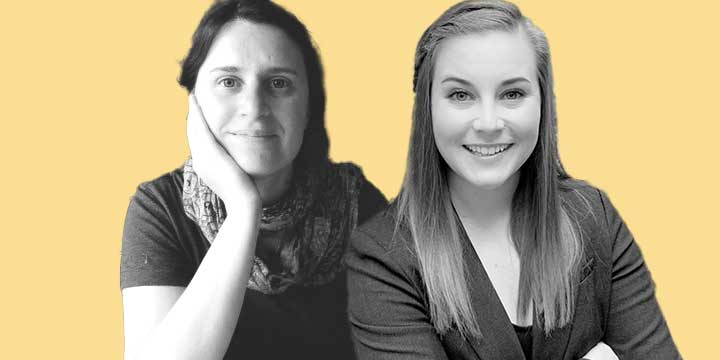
[317,213]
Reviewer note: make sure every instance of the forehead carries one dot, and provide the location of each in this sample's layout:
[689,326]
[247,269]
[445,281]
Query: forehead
[250,45]
[493,55]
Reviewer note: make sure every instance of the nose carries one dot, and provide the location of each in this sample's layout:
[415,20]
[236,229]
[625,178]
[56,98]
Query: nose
[487,119]
[253,103]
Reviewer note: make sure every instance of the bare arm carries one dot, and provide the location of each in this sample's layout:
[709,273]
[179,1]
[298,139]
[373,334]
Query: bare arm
[197,322]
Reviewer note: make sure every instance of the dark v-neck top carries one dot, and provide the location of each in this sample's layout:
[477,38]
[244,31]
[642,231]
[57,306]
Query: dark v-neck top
[524,335]
[614,303]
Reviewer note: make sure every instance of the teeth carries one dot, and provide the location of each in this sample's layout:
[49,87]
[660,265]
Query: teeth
[487,150]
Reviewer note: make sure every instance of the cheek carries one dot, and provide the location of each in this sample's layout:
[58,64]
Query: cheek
[526,124]
[439,130]
[445,137]
[293,115]
[442,121]
[448,127]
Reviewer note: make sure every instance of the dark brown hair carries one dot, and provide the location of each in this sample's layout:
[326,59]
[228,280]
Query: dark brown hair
[315,145]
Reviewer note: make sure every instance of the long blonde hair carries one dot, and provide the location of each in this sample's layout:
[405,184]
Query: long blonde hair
[542,230]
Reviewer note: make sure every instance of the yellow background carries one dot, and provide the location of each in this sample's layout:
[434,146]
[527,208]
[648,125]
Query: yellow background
[90,108]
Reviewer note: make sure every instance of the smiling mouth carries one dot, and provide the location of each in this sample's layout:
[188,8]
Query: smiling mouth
[487,150]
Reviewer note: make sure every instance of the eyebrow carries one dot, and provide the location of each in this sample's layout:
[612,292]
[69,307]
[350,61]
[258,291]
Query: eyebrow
[467,83]
[235,69]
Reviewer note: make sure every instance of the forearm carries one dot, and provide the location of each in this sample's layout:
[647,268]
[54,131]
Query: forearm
[201,323]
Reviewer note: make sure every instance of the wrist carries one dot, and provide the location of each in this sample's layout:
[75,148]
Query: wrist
[246,210]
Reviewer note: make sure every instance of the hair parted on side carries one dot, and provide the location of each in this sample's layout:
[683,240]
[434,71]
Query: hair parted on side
[314,149]
[542,231]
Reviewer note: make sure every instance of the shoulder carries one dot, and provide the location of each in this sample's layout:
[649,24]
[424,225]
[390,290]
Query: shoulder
[346,168]
[377,250]
[380,237]
[594,216]
[580,198]
[158,239]
[165,187]
[369,199]
[156,206]
[348,174]
[585,204]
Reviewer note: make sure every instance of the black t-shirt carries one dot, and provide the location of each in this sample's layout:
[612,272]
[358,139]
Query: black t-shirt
[162,246]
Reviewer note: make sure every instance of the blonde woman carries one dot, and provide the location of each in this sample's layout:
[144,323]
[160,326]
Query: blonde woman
[491,250]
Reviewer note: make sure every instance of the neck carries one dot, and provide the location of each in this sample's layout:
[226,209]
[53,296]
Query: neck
[486,208]
[272,187]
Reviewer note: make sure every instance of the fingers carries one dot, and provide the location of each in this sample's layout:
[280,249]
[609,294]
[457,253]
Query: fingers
[209,156]
[195,113]
[203,144]
[199,134]
[214,165]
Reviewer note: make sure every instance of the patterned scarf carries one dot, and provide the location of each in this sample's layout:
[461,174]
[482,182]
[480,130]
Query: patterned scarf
[319,211]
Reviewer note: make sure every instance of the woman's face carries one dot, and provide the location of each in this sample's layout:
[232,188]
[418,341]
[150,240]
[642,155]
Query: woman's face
[253,91]
[485,100]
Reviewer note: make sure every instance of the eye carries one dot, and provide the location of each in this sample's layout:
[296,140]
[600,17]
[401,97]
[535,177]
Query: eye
[279,83]
[228,82]
[513,95]
[460,96]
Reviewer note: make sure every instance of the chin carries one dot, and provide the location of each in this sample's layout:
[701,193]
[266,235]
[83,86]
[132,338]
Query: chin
[260,167]
[260,172]
[488,184]
[485,179]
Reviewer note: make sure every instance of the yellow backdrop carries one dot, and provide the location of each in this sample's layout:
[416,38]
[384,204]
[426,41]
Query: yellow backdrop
[90,108]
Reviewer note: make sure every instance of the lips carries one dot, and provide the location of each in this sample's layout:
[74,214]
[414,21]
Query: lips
[487,150]
[254,134]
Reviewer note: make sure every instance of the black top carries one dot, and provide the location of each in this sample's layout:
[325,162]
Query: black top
[162,246]
[524,335]
[615,300]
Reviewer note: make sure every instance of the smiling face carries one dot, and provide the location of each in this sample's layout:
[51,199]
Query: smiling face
[253,91]
[485,101]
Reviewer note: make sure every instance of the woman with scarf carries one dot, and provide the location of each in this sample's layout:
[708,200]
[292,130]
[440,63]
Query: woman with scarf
[492,251]
[238,253]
